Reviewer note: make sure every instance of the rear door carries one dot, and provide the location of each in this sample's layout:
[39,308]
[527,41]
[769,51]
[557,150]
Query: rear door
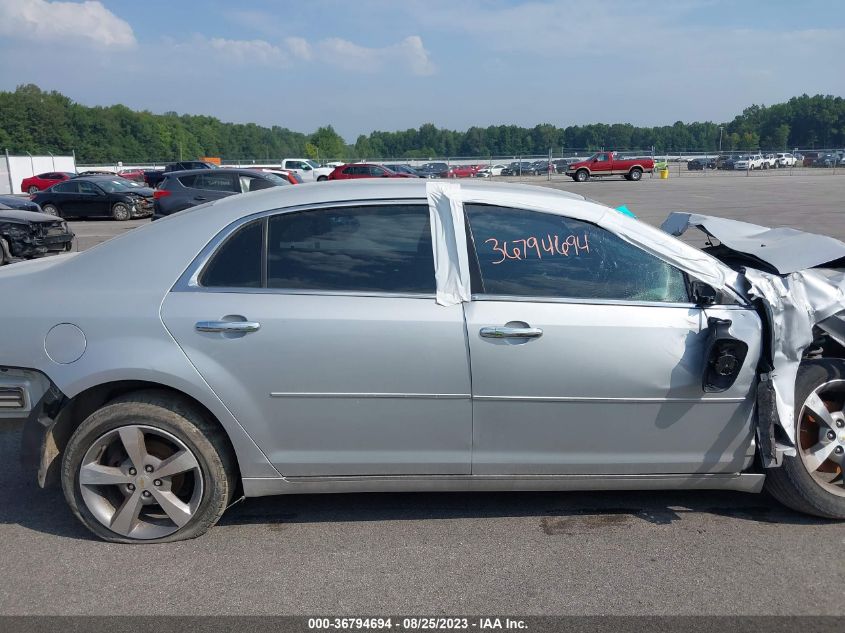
[588,356]
[320,332]
[213,185]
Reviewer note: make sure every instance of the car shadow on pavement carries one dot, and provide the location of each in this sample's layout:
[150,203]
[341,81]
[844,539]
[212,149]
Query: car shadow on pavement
[552,508]
[23,503]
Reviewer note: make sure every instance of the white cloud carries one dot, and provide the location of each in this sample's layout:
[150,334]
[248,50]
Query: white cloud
[409,53]
[241,51]
[300,48]
[60,22]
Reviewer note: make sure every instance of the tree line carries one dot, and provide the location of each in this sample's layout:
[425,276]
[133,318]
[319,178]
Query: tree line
[38,122]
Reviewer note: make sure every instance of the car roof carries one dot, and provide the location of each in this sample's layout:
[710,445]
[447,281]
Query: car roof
[216,170]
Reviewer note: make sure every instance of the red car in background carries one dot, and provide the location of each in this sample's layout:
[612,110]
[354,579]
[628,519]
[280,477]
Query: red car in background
[364,170]
[463,171]
[34,184]
[132,174]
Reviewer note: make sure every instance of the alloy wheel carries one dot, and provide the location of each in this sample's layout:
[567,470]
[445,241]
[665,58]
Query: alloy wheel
[141,482]
[821,436]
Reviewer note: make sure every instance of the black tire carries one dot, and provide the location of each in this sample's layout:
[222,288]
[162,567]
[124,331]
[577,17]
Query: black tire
[176,417]
[322,178]
[33,190]
[582,175]
[50,209]
[792,484]
[635,174]
[5,252]
[120,212]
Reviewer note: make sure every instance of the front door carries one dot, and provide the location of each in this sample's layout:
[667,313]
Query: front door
[327,345]
[91,201]
[587,356]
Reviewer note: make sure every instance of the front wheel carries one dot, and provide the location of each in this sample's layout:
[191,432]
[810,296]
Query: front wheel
[149,468]
[32,190]
[120,212]
[582,175]
[813,481]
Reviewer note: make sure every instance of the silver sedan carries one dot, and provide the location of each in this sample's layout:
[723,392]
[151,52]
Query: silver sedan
[402,335]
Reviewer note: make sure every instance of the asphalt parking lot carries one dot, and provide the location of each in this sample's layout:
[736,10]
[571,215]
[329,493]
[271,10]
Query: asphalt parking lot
[479,553]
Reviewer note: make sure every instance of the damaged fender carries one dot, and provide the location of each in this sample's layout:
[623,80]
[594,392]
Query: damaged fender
[798,283]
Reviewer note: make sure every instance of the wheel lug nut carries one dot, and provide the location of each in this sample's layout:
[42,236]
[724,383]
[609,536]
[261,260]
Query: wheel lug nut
[133,472]
[840,423]
[838,450]
[157,482]
[146,493]
[831,435]
[148,468]
[130,486]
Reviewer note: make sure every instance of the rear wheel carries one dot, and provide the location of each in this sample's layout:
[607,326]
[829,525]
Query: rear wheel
[322,178]
[50,209]
[147,468]
[812,481]
[635,174]
[582,175]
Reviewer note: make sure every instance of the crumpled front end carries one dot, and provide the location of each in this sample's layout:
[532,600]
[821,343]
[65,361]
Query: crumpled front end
[35,239]
[797,282]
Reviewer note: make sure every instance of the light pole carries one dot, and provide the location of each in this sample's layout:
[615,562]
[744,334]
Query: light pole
[720,138]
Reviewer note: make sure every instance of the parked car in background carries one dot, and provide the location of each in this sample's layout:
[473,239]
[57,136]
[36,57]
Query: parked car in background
[433,170]
[182,190]
[136,175]
[770,161]
[517,169]
[785,159]
[489,170]
[827,159]
[95,172]
[402,169]
[96,197]
[701,163]
[810,158]
[462,171]
[726,161]
[29,234]
[33,184]
[154,176]
[16,202]
[561,164]
[749,162]
[287,174]
[365,170]
[604,164]
[309,170]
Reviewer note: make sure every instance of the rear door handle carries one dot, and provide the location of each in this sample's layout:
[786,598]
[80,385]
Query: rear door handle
[241,327]
[503,331]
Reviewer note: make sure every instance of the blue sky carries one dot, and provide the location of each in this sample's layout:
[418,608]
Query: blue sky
[365,65]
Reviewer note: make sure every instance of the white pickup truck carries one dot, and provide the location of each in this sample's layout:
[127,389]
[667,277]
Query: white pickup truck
[308,169]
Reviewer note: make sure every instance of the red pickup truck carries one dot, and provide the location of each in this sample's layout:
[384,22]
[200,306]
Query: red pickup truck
[609,164]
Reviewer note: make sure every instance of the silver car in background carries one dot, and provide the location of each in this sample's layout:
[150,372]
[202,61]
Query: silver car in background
[312,339]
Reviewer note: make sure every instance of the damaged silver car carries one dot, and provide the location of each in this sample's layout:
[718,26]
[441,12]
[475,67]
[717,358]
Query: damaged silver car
[29,234]
[422,335]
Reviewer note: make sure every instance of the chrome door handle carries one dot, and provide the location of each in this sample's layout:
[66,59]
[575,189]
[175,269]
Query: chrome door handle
[242,327]
[503,331]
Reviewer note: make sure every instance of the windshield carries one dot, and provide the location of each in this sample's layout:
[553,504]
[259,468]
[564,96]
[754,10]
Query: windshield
[315,165]
[114,186]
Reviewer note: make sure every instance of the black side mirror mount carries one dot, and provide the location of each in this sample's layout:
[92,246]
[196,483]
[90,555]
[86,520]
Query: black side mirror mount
[703,294]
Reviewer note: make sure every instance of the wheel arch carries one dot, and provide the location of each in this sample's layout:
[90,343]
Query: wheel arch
[74,410]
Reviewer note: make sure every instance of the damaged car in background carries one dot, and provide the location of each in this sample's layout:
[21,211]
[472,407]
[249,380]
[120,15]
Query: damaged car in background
[29,234]
[410,335]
